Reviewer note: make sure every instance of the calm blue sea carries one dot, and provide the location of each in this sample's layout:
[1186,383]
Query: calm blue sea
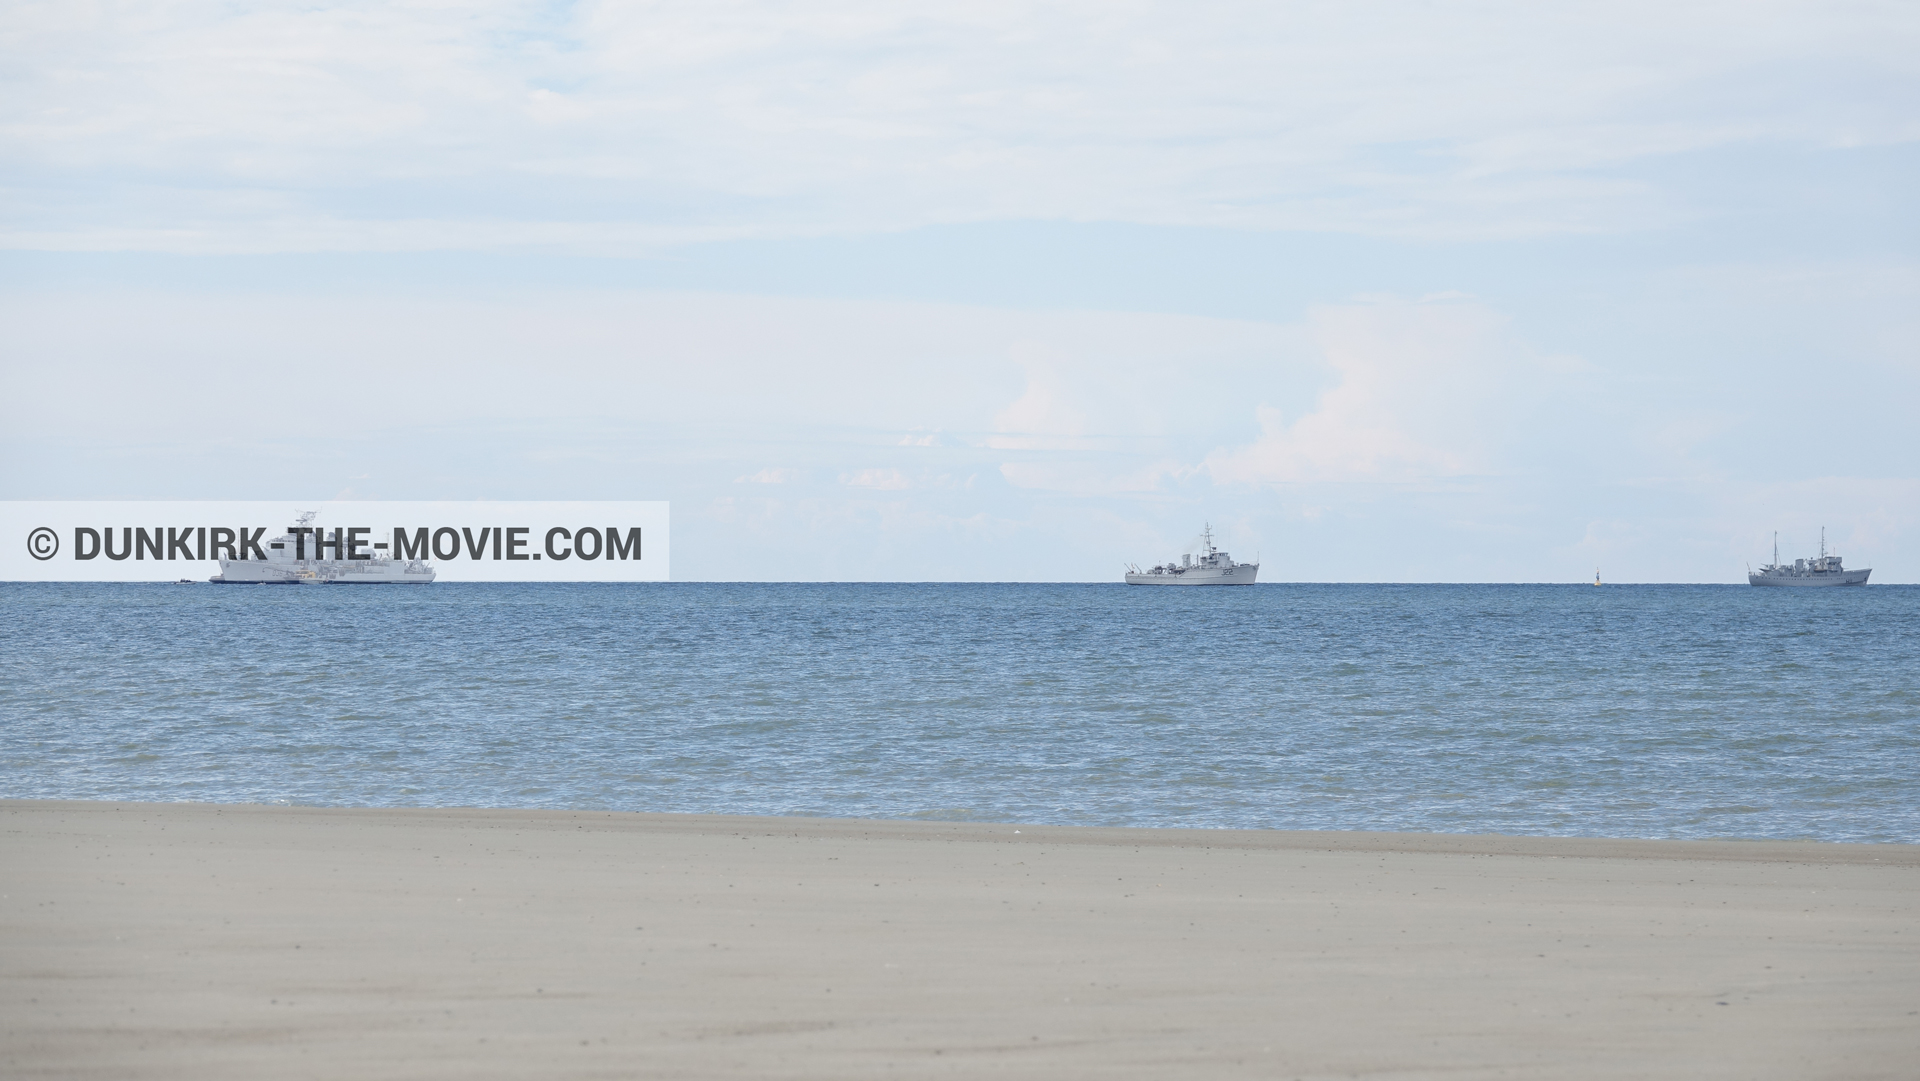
[1633,711]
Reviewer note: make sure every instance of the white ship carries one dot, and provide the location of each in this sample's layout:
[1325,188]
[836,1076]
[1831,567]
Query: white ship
[1210,567]
[1823,570]
[294,561]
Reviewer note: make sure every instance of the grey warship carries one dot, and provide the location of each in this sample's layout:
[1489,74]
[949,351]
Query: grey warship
[1210,567]
[287,564]
[1822,570]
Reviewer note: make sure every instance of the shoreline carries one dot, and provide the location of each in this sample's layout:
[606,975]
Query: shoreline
[1893,853]
[242,940]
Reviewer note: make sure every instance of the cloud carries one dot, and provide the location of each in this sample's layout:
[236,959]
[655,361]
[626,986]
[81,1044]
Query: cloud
[1425,390]
[618,127]
[770,476]
[885,480]
[1102,414]
[1088,478]
[1045,415]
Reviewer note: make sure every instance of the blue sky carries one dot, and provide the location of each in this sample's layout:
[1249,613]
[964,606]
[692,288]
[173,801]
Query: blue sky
[1403,292]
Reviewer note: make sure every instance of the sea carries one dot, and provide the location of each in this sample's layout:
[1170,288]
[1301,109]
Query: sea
[1623,711]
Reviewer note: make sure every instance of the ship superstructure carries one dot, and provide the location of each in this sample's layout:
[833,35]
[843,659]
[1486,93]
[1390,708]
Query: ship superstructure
[1208,567]
[1822,570]
[293,559]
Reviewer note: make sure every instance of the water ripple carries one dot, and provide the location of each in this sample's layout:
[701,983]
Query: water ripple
[1625,711]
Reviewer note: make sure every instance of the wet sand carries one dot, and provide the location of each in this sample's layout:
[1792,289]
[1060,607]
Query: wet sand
[209,942]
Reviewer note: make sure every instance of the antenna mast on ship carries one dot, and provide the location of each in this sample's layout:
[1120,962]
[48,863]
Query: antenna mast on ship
[1823,542]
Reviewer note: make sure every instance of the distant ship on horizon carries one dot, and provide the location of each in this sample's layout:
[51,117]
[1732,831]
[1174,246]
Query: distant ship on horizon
[1822,570]
[287,565]
[1209,567]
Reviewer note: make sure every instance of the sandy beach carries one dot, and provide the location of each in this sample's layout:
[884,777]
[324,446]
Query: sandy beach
[196,942]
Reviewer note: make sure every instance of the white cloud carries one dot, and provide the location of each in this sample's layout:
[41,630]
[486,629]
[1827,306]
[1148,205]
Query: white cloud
[617,126]
[885,480]
[770,476]
[1425,390]
[1045,416]
[1089,478]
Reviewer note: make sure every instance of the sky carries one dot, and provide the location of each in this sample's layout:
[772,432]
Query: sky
[1476,292]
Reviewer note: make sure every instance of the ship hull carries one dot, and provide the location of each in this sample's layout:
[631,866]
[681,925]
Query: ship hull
[1844,578]
[256,572]
[1241,574]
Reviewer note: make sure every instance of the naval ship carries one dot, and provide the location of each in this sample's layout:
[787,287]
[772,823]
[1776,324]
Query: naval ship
[1823,570]
[288,564]
[1209,567]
